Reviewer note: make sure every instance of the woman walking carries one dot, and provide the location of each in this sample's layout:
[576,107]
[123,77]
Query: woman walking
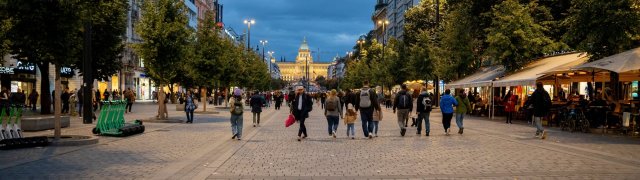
[463,107]
[189,106]
[333,112]
[446,106]
[237,109]
[510,106]
[301,105]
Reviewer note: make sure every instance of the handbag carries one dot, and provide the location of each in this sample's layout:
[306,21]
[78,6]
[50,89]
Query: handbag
[290,120]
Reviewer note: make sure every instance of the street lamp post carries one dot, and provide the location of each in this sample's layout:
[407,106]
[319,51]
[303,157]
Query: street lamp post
[249,22]
[384,24]
[264,43]
[306,70]
[270,56]
[360,42]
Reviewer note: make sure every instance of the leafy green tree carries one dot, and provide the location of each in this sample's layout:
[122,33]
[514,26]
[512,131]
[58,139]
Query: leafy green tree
[166,40]
[108,25]
[5,25]
[49,36]
[603,28]
[515,38]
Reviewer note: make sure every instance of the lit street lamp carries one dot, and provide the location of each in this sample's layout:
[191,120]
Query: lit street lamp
[360,42]
[249,23]
[384,24]
[264,43]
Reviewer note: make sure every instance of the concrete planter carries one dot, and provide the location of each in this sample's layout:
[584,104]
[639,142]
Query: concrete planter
[40,123]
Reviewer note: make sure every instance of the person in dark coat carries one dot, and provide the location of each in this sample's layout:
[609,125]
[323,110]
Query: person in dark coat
[65,101]
[301,105]
[256,103]
[540,101]
[33,99]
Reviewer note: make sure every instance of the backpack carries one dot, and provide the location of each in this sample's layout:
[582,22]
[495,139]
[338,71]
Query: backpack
[426,101]
[404,101]
[365,98]
[237,108]
[331,104]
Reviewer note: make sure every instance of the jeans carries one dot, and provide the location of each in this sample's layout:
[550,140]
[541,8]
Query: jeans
[236,125]
[256,114]
[403,115]
[303,129]
[366,115]
[333,122]
[446,120]
[375,127]
[538,122]
[459,118]
[427,125]
[351,128]
[189,115]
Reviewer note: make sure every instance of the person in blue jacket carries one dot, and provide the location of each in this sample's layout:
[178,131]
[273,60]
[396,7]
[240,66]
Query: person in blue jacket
[446,106]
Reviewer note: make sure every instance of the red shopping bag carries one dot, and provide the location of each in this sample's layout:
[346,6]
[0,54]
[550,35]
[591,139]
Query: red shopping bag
[290,120]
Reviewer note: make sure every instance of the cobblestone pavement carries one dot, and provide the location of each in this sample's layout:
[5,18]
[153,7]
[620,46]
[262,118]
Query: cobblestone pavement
[489,149]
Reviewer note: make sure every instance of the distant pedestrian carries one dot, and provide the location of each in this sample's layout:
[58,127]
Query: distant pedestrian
[4,100]
[446,106]
[323,99]
[80,98]
[423,110]
[540,101]
[333,112]
[278,99]
[33,99]
[366,103]
[65,101]
[237,109]
[464,106]
[189,106]
[404,105]
[73,100]
[301,105]
[130,99]
[510,106]
[107,94]
[256,104]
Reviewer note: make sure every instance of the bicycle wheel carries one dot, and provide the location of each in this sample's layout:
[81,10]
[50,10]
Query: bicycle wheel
[572,124]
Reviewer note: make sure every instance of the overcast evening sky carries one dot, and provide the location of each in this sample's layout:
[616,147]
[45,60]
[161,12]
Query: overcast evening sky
[333,26]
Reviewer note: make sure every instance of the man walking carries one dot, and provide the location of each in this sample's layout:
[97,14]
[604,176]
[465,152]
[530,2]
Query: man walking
[404,105]
[301,105]
[446,106]
[541,103]
[366,101]
[423,110]
[33,99]
[256,103]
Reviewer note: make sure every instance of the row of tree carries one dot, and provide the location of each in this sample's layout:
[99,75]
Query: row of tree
[67,32]
[174,53]
[450,39]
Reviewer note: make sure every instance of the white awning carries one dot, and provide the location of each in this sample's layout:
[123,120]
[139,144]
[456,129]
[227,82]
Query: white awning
[622,62]
[527,76]
[483,77]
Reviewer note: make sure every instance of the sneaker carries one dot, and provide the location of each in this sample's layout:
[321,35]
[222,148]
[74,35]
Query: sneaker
[461,130]
[299,138]
[353,137]
[239,139]
[427,133]
[446,132]
[234,136]
[254,124]
[334,134]
[402,131]
[370,135]
[544,135]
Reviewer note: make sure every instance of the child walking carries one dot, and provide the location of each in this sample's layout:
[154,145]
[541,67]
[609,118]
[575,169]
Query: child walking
[350,120]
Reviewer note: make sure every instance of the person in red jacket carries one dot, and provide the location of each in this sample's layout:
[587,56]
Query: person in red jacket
[510,101]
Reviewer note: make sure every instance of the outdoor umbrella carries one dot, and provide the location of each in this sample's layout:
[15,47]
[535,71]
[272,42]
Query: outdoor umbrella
[619,63]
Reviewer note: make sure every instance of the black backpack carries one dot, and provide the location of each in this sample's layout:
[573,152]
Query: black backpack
[404,101]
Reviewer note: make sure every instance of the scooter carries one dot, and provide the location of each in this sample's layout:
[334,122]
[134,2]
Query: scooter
[5,127]
[16,113]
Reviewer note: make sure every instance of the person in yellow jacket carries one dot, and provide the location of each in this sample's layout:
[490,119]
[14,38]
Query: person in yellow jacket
[350,121]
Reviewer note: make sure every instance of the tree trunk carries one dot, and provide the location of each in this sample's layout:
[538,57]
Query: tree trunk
[45,91]
[58,110]
[615,86]
[203,98]
[436,84]
[226,97]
